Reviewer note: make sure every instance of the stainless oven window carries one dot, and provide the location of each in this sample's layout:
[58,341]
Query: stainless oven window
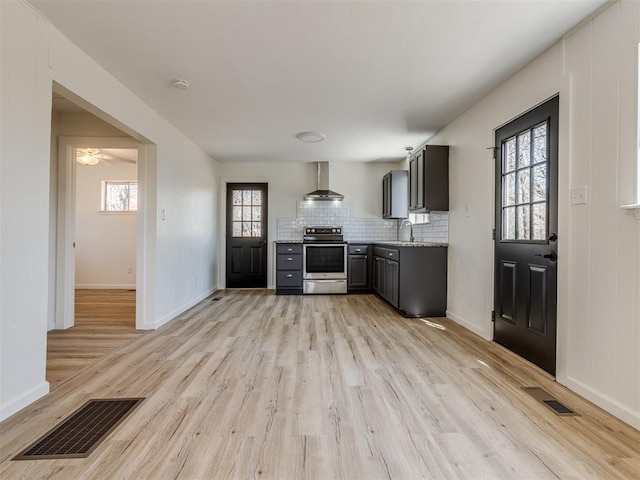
[324,258]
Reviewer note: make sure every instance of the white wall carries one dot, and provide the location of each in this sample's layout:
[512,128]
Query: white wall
[105,242]
[595,72]
[33,54]
[25,115]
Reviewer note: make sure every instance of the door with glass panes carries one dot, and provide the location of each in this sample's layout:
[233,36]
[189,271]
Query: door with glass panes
[526,235]
[246,235]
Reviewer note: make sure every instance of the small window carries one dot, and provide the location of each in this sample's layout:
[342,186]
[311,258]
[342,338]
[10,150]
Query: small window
[119,196]
[247,213]
[419,218]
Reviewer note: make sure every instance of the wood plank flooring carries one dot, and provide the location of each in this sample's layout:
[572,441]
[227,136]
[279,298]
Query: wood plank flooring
[105,320]
[323,387]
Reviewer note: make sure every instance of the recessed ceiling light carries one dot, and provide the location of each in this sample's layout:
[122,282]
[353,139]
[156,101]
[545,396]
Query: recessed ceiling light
[181,84]
[311,137]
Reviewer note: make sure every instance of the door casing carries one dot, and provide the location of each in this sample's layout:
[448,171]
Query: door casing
[64,309]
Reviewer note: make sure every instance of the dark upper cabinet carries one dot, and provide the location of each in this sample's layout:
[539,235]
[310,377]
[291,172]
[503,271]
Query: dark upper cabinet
[395,194]
[429,180]
[416,181]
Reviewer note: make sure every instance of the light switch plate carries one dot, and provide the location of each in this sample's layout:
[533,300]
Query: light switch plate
[579,195]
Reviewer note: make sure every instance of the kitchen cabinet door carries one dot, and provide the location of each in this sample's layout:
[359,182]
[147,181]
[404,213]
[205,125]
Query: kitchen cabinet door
[429,180]
[416,181]
[358,272]
[391,282]
[395,194]
[359,268]
[378,275]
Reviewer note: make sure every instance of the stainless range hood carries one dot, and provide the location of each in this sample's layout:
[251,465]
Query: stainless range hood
[323,192]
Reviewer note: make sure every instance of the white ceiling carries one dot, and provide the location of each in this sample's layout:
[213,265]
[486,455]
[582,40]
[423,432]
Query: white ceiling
[373,76]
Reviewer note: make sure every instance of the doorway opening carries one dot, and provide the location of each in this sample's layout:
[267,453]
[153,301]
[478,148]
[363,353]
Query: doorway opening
[100,185]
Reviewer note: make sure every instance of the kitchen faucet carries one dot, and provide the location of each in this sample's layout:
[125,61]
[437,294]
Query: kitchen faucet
[406,220]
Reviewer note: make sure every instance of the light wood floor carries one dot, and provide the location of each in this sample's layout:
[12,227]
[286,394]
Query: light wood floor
[105,320]
[323,387]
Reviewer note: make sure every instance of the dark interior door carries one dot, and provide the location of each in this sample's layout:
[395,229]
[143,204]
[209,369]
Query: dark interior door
[526,239]
[246,235]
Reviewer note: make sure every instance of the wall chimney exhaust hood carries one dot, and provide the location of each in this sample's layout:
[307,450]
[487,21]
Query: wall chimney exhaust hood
[323,192]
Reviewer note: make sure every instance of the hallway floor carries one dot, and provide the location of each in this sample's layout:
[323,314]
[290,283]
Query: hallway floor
[105,320]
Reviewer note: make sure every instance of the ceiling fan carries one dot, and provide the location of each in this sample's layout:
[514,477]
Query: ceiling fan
[92,156]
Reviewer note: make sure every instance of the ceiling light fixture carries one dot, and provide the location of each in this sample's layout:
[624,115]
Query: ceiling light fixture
[87,156]
[310,137]
[409,150]
[181,84]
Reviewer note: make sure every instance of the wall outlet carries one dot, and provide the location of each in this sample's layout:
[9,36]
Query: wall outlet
[163,214]
[195,280]
[129,269]
[579,195]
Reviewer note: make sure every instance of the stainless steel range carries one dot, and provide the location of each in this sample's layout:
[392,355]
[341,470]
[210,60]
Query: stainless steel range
[324,260]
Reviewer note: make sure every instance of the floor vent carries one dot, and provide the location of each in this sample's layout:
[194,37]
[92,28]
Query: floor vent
[78,435]
[547,399]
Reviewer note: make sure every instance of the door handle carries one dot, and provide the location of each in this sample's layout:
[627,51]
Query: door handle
[551,256]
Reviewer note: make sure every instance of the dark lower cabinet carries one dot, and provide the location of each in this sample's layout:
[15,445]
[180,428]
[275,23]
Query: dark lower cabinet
[288,268]
[359,269]
[378,275]
[386,274]
[412,279]
[392,281]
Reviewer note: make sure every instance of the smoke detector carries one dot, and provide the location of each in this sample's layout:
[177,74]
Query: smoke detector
[181,84]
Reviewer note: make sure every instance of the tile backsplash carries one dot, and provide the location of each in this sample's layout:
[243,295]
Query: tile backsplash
[359,229]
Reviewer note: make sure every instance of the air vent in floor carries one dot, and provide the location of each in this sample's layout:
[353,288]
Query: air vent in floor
[82,432]
[550,402]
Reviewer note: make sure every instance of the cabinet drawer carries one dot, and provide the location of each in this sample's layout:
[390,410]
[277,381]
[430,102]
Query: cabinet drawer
[289,262]
[379,251]
[284,248]
[289,279]
[390,253]
[358,249]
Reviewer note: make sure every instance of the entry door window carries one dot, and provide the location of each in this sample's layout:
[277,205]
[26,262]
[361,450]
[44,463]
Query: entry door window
[525,186]
[247,213]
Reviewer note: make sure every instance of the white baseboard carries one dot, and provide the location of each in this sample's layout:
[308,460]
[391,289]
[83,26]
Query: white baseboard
[170,316]
[18,403]
[108,286]
[605,402]
[487,334]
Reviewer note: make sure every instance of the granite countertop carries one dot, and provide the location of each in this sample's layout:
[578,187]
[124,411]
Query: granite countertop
[410,244]
[390,243]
